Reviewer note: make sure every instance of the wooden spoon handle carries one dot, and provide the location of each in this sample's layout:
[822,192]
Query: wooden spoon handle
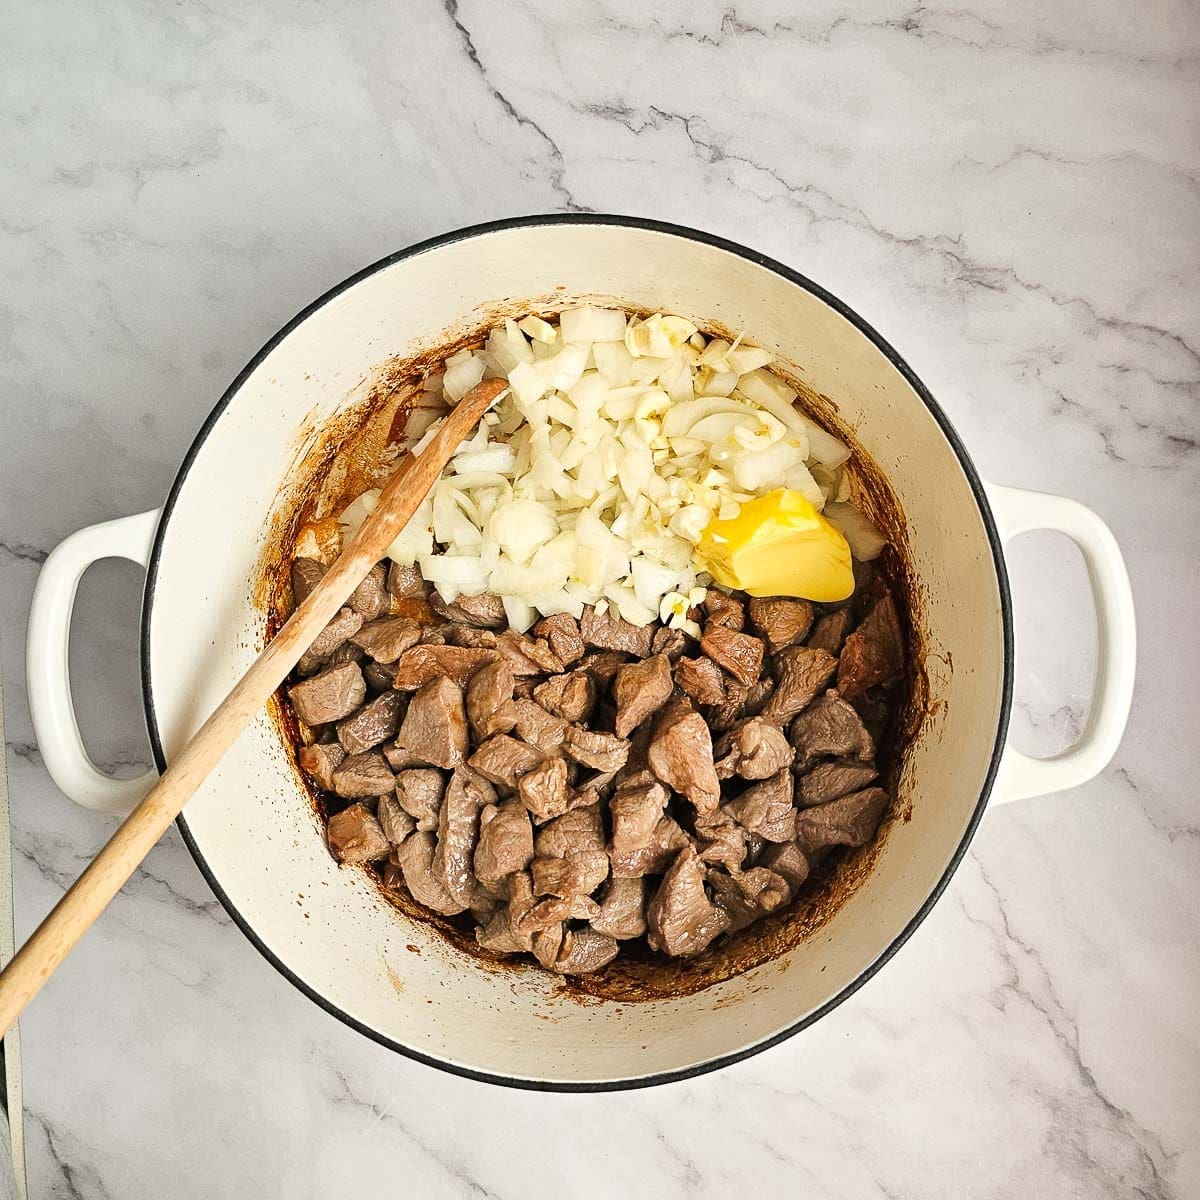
[91,893]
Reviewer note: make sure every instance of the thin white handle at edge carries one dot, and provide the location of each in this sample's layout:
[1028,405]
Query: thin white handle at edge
[1016,512]
[47,661]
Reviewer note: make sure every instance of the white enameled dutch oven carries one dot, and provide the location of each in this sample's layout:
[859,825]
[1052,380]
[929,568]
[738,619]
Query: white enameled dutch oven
[252,828]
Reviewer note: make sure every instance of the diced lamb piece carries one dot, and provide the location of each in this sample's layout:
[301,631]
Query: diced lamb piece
[501,933]
[656,857]
[701,679]
[609,632]
[471,636]
[595,788]
[832,781]
[378,676]
[422,664]
[829,728]
[405,582]
[720,608]
[361,775]
[538,727]
[356,837]
[829,633]
[415,858]
[420,793]
[682,920]
[755,749]
[583,951]
[467,794]
[601,751]
[373,723]
[726,715]
[576,875]
[602,665]
[623,910]
[306,574]
[680,754]
[346,652]
[561,632]
[640,689]
[503,760]
[526,655]
[781,620]
[435,635]
[757,695]
[788,860]
[370,599]
[635,814]
[330,696]
[485,611]
[543,789]
[400,759]
[873,653]
[671,642]
[721,840]
[548,941]
[393,820]
[386,640]
[739,653]
[749,895]
[580,831]
[550,912]
[801,674]
[505,842]
[766,808]
[489,700]
[320,761]
[571,695]
[850,821]
[435,726]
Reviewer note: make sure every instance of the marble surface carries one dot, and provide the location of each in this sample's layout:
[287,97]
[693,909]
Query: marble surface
[1009,190]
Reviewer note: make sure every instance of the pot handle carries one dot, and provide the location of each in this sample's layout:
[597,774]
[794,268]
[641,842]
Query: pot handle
[1016,512]
[47,661]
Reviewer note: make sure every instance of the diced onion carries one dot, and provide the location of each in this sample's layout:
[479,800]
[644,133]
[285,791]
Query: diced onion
[865,541]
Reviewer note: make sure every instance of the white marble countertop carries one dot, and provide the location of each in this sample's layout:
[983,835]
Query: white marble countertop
[1009,191]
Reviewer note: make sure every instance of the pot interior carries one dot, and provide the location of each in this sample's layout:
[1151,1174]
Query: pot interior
[253,827]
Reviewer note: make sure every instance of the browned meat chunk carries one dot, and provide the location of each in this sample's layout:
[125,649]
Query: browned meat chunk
[378,676]
[754,749]
[680,754]
[330,696]
[306,574]
[832,781]
[873,653]
[601,751]
[671,642]
[721,839]
[538,727]
[829,728]
[739,653]
[470,635]
[485,611]
[547,913]
[418,666]
[608,632]
[467,794]
[622,912]
[724,716]
[788,860]
[766,808]
[594,788]
[319,762]
[420,794]
[580,831]
[400,759]
[355,836]
[503,760]
[850,821]
[571,695]
[640,689]
[800,674]
[830,631]
[782,621]
[505,841]
[548,941]
[526,655]
[369,599]
[575,875]
[435,726]
[701,679]
[501,932]
[749,895]
[602,665]
[415,858]
[393,820]
[543,789]
[722,609]
[682,920]
[561,633]
[489,700]
[360,775]
[372,724]
[405,582]
[582,951]
[386,640]
[635,815]
[654,858]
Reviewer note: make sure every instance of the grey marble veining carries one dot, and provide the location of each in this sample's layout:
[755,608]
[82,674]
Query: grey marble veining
[1009,191]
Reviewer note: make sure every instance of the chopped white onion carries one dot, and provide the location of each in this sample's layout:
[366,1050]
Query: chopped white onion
[866,542]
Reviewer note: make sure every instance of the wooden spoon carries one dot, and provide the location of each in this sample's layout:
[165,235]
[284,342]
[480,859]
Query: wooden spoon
[90,894]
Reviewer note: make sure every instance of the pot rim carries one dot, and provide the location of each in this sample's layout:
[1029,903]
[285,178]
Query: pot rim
[964,460]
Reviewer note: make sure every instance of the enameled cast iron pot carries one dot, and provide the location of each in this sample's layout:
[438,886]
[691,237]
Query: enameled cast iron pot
[252,828]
